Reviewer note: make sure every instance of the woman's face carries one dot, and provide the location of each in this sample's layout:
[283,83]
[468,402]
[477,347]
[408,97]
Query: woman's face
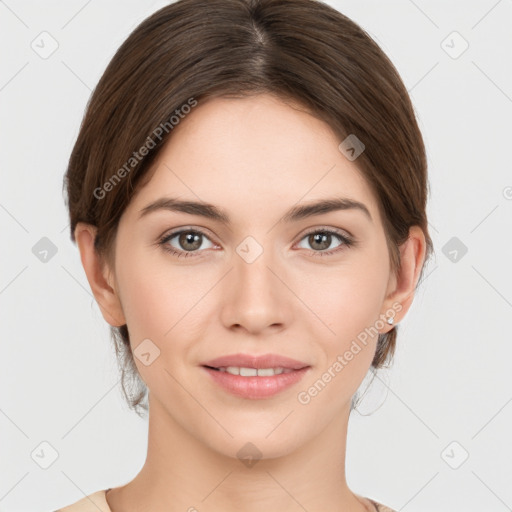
[257,282]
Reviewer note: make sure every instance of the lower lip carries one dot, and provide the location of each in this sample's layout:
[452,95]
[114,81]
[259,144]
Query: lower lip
[256,387]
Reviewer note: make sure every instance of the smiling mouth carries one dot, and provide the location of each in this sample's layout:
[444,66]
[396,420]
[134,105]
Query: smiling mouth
[255,383]
[251,372]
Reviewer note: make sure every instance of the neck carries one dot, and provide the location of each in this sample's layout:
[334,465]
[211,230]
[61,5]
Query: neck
[182,474]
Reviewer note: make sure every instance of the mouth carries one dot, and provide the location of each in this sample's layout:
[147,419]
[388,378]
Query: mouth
[249,362]
[251,372]
[255,377]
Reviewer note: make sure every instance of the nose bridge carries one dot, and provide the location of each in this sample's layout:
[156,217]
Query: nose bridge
[252,261]
[254,296]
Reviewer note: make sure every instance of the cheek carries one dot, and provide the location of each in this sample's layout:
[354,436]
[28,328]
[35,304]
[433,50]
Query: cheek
[347,300]
[349,306]
[159,300]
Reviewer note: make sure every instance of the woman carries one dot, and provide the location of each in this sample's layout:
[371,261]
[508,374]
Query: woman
[248,194]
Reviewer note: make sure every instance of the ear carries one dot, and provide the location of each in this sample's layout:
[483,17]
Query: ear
[99,275]
[402,286]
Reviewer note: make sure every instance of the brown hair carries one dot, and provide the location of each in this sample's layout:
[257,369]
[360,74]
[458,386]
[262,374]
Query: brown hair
[191,50]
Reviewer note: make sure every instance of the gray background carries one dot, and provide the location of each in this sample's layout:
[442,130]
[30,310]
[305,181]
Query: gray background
[448,395]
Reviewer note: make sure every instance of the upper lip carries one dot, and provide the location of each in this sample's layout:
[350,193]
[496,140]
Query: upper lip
[254,361]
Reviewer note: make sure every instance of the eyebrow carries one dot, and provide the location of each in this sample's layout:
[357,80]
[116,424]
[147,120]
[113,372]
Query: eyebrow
[296,213]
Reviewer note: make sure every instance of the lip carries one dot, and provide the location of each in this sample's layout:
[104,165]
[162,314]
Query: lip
[255,388]
[256,361]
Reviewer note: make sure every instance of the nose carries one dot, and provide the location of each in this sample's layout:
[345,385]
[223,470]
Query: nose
[256,297]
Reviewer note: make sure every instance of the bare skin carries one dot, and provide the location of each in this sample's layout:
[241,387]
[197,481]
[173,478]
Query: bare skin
[254,158]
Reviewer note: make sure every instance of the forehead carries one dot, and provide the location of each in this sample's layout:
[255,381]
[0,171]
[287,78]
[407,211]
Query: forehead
[251,155]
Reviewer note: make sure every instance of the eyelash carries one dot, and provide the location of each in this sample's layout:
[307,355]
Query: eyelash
[347,242]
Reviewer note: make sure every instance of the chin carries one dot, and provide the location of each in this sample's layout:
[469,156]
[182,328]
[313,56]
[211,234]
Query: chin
[250,447]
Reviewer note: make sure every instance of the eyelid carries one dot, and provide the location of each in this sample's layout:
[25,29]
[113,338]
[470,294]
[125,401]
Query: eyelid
[197,229]
[331,229]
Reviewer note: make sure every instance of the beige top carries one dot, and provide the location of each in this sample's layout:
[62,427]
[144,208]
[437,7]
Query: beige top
[98,502]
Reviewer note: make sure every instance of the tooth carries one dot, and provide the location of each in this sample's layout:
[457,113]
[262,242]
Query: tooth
[253,372]
[265,372]
[248,372]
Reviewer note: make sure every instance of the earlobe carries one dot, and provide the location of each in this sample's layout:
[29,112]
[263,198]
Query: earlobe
[412,256]
[98,273]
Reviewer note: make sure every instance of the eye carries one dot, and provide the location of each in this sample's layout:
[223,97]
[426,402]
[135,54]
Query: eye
[321,239]
[189,241]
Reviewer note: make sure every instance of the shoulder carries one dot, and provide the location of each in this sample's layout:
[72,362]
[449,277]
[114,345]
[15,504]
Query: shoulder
[93,503]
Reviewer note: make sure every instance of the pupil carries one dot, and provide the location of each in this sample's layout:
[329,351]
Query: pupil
[190,238]
[323,239]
